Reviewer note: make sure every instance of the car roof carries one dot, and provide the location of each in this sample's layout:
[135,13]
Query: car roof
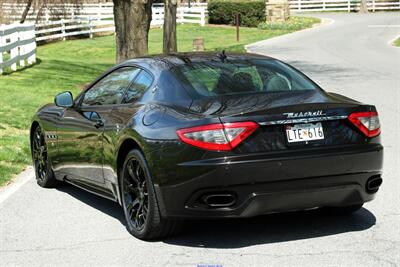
[166,61]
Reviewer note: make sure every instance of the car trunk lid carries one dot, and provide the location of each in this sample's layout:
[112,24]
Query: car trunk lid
[296,111]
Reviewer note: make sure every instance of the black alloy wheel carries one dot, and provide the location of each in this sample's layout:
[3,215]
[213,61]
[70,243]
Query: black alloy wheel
[136,196]
[41,163]
[143,218]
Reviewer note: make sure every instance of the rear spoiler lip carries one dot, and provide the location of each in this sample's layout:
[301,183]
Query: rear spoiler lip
[303,120]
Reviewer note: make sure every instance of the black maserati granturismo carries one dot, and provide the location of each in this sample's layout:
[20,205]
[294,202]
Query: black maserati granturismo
[206,135]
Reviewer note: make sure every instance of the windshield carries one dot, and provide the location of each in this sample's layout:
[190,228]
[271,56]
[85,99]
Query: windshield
[215,78]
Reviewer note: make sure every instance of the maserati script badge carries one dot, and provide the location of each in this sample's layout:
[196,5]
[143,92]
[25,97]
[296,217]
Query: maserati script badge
[291,115]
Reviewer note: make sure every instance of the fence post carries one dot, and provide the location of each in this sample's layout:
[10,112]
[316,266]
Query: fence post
[203,17]
[32,46]
[14,51]
[22,48]
[90,28]
[182,14]
[99,13]
[46,14]
[373,5]
[63,29]
[348,6]
[299,5]
[323,5]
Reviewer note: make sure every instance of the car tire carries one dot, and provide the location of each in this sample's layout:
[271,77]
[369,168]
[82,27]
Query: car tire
[41,162]
[345,210]
[145,221]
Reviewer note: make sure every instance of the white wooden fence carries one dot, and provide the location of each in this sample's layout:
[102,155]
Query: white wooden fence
[103,11]
[341,5]
[195,14]
[184,14]
[17,45]
[102,23]
[61,29]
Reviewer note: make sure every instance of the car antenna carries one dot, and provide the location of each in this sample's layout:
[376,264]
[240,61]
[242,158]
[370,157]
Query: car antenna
[222,56]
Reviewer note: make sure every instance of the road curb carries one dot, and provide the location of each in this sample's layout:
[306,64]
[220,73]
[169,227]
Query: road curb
[16,183]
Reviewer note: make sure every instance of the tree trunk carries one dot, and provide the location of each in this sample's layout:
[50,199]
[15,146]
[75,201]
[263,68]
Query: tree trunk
[169,34]
[26,10]
[132,24]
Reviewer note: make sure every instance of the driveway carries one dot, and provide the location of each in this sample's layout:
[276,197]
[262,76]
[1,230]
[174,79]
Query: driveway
[351,55]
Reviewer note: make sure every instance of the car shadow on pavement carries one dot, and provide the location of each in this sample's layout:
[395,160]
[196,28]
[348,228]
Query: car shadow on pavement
[238,233]
[106,206]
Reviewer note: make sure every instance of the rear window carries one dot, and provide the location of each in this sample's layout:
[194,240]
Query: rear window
[214,78]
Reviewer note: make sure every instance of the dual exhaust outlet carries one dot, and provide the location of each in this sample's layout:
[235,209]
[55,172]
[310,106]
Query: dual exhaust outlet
[226,199]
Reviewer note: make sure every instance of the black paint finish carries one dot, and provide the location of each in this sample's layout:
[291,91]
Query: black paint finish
[264,173]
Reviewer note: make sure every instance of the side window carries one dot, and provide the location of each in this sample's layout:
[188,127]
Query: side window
[111,88]
[138,87]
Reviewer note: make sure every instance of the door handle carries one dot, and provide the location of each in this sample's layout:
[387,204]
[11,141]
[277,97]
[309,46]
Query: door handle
[99,123]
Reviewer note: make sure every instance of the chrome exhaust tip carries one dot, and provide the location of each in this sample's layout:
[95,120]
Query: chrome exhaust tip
[219,200]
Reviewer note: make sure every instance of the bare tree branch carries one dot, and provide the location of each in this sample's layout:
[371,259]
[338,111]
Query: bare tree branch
[26,10]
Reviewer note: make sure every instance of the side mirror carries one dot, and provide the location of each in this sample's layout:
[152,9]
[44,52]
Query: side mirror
[64,100]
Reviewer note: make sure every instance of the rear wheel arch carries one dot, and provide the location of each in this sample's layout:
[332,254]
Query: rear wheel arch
[126,146]
[123,150]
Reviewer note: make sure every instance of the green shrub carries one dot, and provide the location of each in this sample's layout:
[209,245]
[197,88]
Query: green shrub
[223,12]
[292,24]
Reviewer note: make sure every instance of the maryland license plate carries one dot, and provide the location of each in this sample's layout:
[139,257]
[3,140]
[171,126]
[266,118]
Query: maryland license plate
[304,132]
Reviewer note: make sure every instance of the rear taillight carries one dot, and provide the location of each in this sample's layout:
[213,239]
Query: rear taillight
[367,122]
[217,136]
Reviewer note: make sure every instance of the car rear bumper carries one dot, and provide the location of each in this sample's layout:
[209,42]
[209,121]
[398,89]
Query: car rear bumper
[261,184]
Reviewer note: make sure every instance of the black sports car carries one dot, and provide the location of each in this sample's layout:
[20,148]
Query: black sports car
[209,135]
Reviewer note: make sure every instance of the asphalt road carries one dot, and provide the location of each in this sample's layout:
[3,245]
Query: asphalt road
[351,55]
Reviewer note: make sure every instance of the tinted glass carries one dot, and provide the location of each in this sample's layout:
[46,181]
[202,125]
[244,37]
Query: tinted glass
[213,78]
[110,89]
[138,87]
[64,99]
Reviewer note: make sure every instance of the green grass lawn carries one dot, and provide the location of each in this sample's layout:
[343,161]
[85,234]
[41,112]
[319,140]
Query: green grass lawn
[71,64]
[397,42]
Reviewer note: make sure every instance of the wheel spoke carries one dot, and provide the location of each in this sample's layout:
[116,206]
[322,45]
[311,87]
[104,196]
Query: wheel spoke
[145,211]
[35,144]
[132,210]
[132,172]
[138,211]
[138,168]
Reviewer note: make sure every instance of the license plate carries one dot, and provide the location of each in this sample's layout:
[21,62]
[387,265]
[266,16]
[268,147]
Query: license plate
[304,132]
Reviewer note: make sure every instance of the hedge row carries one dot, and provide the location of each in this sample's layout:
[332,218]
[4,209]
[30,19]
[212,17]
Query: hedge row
[223,12]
